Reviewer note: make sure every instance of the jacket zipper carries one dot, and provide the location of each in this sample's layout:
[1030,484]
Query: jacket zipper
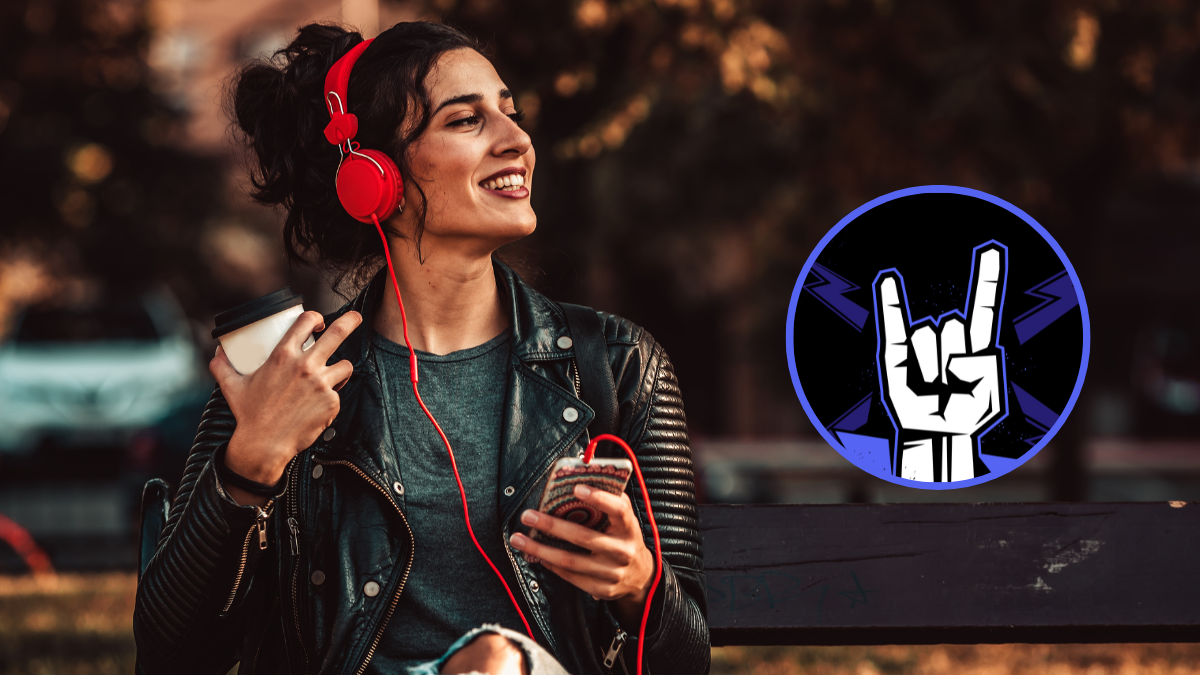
[407,567]
[294,528]
[260,525]
[610,657]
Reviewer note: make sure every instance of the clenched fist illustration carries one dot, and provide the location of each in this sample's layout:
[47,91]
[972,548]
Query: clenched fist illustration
[943,381]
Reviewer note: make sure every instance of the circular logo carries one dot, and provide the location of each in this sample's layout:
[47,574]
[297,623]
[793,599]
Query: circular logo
[937,337]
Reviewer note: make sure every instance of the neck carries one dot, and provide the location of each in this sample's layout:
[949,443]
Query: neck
[452,300]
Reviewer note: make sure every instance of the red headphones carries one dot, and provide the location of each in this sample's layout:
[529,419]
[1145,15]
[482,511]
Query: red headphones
[368,182]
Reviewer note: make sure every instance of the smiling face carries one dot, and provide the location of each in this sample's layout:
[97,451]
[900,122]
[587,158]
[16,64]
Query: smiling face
[473,162]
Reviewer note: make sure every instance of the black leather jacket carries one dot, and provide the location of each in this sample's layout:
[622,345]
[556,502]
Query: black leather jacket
[236,583]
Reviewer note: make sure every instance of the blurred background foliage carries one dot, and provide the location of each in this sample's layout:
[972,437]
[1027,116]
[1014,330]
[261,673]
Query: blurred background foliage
[95,183]
[692,153]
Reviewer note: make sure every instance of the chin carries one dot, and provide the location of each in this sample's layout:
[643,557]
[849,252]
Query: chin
[514,229]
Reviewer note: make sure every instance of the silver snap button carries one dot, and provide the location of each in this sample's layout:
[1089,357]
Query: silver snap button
[318,471]
[564,342]
[318,578]
[570,414]
[398,487]
[509,491]
[329,434]
[534,586]
[371,589]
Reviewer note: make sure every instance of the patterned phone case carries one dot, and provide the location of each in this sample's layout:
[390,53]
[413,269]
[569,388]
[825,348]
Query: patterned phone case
[559,500]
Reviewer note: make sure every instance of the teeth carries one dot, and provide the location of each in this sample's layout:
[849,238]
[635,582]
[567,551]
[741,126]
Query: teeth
[506,183]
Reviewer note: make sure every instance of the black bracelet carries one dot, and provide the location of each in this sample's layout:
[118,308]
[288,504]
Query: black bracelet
[228,477]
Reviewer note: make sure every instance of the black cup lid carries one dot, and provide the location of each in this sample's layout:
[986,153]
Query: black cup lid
[260,308]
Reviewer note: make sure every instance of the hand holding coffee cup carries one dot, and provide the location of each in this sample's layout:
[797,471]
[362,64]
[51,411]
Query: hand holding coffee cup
[250,331]
[285,404]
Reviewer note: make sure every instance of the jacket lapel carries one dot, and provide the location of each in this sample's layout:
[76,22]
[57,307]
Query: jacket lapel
[535,433]
[360,428]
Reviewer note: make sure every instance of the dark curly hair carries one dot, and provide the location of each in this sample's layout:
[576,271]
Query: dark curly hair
[279,107]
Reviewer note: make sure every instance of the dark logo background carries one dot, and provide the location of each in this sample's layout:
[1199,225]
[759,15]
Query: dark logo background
[928,235]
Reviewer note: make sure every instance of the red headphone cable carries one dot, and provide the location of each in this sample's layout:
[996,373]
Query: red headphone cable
[637,470]
[412,369]
[587,458]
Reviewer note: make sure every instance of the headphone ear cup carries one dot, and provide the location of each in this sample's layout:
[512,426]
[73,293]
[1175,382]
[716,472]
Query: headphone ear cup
[369,186]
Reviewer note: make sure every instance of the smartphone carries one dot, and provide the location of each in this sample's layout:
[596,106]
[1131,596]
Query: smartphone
[559,500]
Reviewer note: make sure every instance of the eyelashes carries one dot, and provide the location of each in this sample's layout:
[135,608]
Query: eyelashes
[473,120]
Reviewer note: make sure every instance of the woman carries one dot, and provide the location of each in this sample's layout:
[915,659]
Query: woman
[352,554]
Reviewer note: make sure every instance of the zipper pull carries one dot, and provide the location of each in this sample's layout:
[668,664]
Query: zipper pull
[261,521]
[294,526]
[610,657]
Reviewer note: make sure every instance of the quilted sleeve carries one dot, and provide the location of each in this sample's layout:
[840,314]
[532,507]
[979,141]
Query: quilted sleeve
[190,601]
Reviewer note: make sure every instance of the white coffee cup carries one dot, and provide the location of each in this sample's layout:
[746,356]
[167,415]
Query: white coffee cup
[249,332]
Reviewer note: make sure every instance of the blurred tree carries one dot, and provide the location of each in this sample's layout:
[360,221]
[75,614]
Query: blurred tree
[91,173]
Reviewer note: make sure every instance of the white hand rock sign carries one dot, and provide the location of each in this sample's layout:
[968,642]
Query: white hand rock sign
[943,382]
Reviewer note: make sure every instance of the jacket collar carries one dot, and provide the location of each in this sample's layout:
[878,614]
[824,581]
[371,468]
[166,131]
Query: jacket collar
[536,426]
[535,322]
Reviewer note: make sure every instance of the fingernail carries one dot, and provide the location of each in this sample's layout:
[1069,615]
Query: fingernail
[517,540]
[529,517]
[583,490]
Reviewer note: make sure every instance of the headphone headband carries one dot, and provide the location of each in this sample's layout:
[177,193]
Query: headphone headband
[342,125]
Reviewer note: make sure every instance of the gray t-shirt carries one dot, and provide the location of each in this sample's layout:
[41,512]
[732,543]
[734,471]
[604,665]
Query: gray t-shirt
[450,588]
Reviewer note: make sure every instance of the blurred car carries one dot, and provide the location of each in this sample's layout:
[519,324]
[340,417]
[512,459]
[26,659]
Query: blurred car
[95,375]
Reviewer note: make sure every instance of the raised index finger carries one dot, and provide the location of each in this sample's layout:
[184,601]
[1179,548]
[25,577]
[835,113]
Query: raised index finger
[300,330]
[891,318]
[987,291]
[334,334]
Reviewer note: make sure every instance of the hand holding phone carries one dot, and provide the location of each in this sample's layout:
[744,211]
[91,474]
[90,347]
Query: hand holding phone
[559,500]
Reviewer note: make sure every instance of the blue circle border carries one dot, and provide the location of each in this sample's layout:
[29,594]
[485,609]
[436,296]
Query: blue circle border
[938,189]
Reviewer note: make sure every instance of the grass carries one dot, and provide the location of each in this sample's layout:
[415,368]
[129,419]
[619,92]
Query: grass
[67,625]
[82,625]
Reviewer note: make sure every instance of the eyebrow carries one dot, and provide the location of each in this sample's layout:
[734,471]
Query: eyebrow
[469,98]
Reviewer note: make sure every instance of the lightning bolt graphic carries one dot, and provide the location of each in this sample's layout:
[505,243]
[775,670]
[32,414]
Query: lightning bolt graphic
[1037,414]
[830,289]
[1058,297]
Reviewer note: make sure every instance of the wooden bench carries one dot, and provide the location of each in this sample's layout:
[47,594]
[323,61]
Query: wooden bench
[952,573]
[867,574]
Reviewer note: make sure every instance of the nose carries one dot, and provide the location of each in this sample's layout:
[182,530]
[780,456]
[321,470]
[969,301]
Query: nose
[511,139]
